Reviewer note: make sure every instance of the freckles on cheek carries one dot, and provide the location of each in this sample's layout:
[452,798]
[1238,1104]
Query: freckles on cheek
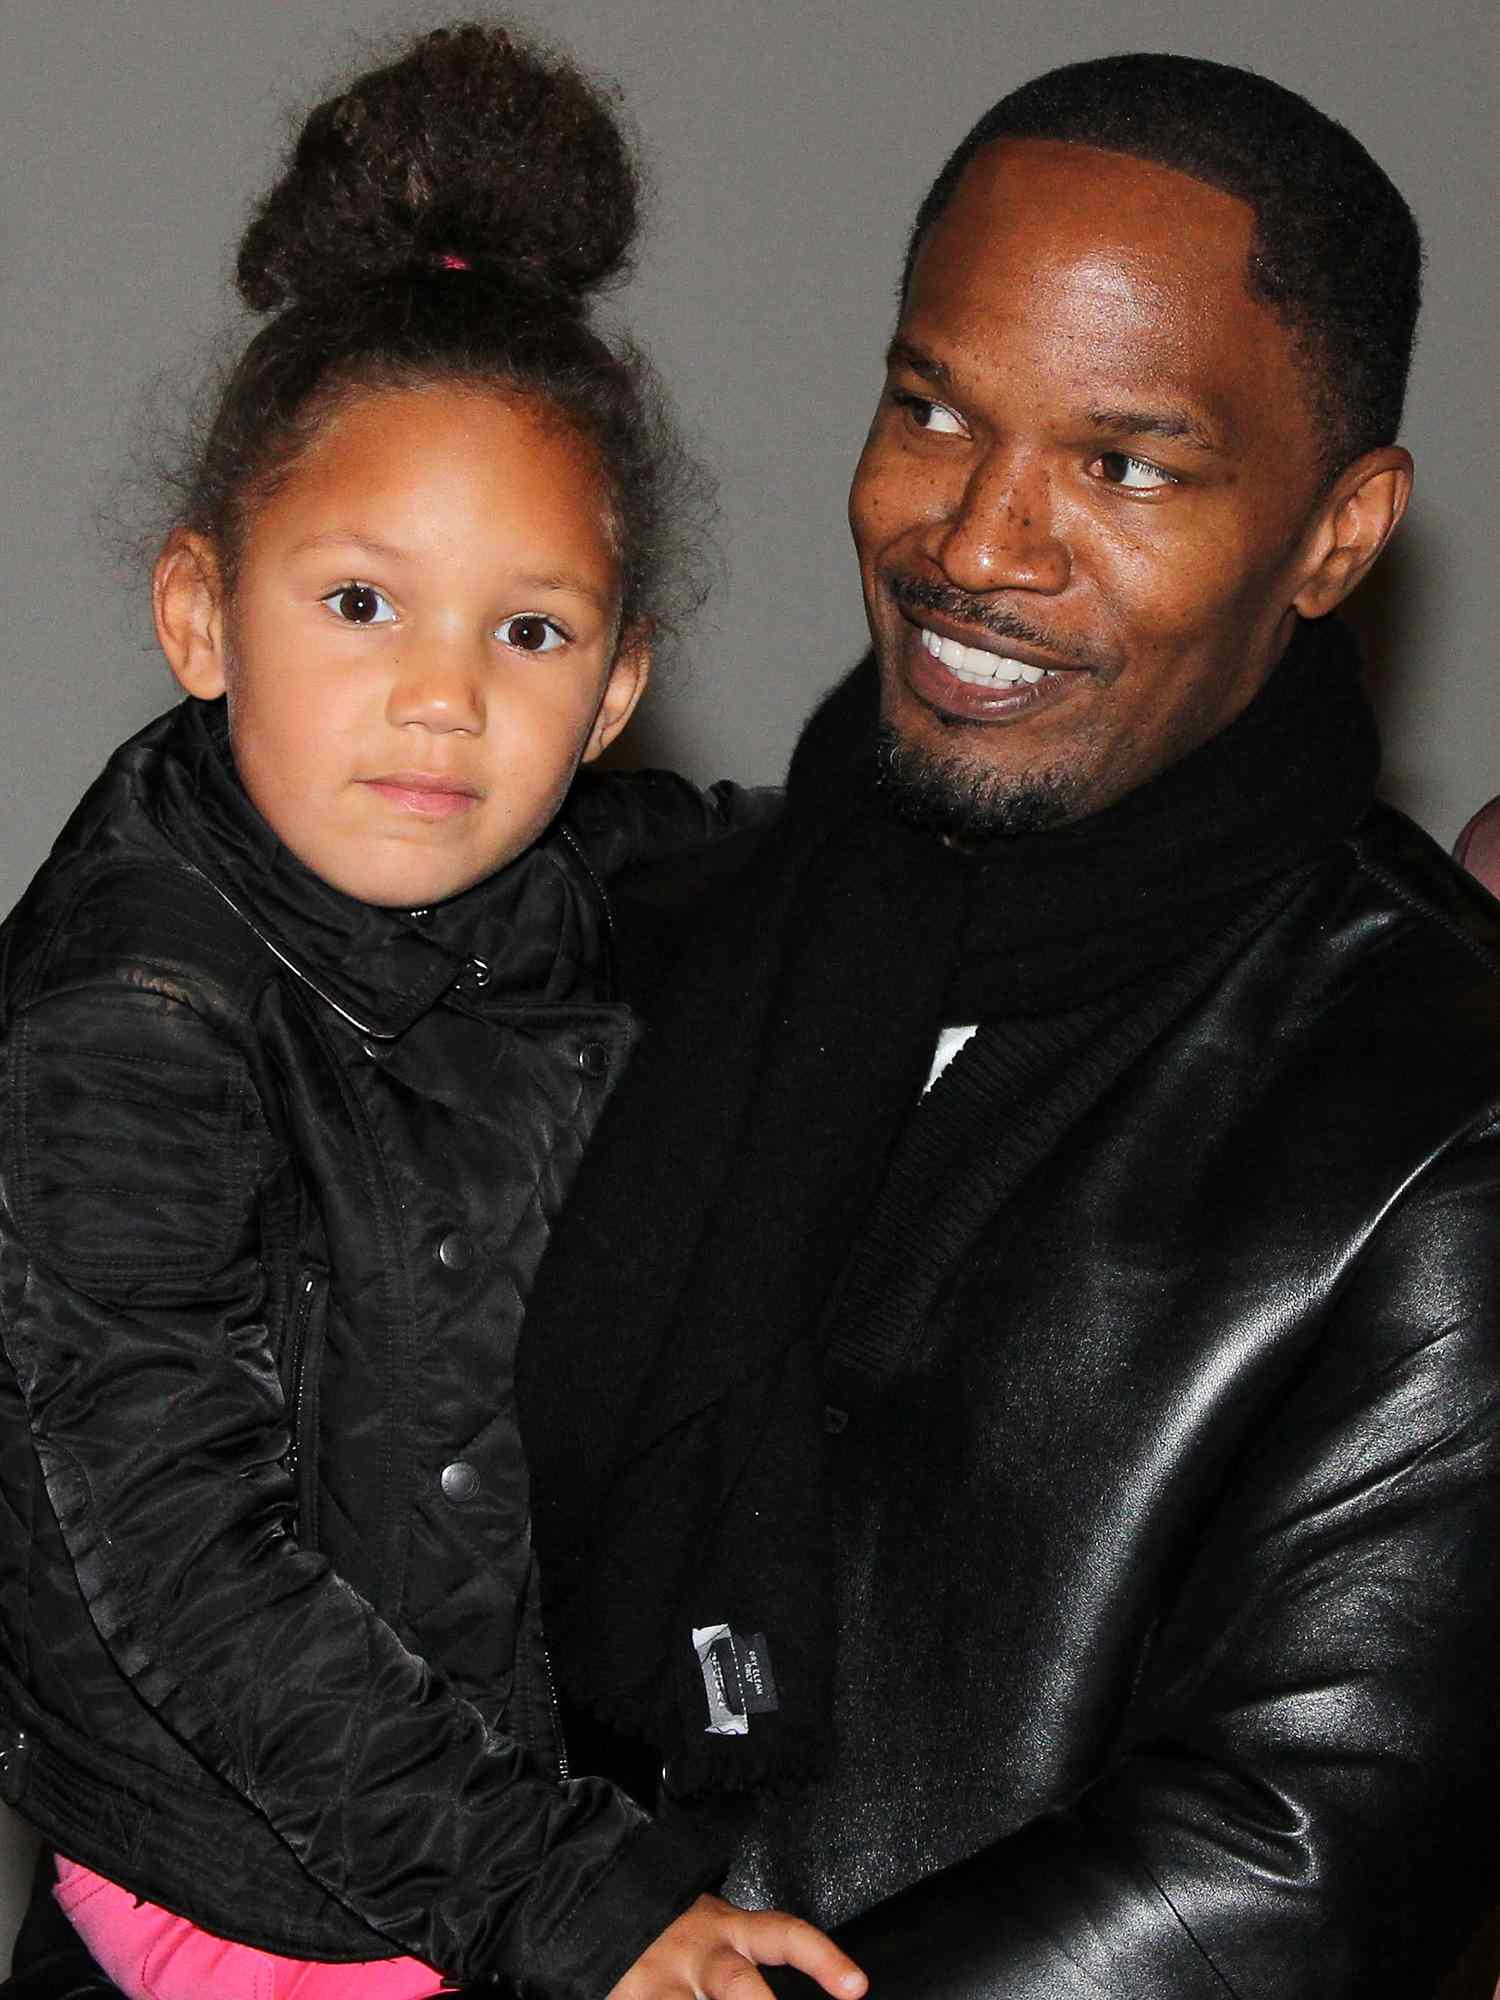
[1133,586]
[867,497]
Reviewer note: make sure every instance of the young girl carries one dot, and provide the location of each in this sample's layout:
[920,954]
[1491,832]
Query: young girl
[305,1022]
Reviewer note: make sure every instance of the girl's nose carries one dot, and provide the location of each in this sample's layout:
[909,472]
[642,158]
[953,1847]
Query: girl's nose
[439,688]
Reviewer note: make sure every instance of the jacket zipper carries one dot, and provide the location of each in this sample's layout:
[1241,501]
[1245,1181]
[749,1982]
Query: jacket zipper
[557,1726]
[300,1323]
[606,909]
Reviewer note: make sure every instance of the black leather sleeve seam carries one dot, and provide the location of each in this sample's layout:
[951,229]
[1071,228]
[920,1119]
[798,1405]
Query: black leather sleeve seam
[1186,1928]
[1426,911]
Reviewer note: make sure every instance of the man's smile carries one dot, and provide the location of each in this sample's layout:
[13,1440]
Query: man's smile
[969,661]
[979,665]
[966,683]
[981,676]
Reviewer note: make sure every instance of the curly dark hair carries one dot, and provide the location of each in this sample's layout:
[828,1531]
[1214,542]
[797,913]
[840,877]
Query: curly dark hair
[447,217]
[1335,254]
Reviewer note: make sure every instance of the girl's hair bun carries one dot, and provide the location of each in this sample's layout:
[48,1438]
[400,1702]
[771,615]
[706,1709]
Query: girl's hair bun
[474,151]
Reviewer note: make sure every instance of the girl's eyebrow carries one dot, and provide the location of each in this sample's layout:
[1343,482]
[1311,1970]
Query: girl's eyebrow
[575,586]
[545,580]
[352,539]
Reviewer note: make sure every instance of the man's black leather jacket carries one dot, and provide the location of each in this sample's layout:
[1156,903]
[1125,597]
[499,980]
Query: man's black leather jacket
[276,1170]
[1170,1553]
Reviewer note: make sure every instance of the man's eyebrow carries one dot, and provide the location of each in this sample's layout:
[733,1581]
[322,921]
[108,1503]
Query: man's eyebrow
[1175,425]
[1117,420]
[906,354]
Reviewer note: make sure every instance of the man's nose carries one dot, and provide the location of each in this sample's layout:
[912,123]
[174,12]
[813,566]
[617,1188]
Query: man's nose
[999,532]
[438,685]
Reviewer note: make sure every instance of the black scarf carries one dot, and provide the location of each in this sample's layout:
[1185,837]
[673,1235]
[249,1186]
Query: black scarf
[672,1378]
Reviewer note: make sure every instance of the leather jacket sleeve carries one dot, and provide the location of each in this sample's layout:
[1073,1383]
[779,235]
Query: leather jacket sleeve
[136,1154]
[1300,1803]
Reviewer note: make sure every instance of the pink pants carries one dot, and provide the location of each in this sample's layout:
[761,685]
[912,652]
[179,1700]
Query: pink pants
[152,1955]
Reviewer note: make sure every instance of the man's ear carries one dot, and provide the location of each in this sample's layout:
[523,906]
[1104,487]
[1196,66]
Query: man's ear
[187,598]
[624,688]
[1357,519]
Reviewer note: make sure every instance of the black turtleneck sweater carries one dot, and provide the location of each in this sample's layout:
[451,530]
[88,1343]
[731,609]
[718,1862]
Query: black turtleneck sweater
[763,1218]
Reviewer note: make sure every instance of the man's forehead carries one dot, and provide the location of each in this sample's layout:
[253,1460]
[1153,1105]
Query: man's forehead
[1117,282]
[1120,222]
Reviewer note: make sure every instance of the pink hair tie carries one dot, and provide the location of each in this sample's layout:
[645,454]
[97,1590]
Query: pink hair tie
[448,262]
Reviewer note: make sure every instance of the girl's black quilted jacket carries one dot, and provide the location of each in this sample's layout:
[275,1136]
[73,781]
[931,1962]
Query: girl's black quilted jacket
[277,1170]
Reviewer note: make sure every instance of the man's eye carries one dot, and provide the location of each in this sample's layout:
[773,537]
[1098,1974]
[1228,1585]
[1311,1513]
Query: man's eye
[928,415]
[1136,475]
[531,633]
[359,604]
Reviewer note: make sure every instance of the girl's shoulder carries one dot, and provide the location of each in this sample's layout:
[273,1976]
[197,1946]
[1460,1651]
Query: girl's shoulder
[133,1122]
[116,905]
[689,864]
[626,819]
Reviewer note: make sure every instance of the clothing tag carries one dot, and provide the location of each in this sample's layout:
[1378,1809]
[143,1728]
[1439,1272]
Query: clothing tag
[737,1678]
[756,1678]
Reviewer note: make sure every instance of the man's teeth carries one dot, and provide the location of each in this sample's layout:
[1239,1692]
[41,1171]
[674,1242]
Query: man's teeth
[968,663]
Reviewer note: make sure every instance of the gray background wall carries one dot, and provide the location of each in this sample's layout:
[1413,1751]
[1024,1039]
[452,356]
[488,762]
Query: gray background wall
[790,142]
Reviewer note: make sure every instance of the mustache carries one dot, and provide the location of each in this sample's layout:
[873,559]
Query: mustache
[915,593]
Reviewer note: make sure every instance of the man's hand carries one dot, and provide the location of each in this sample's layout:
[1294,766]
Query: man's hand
[712,1950]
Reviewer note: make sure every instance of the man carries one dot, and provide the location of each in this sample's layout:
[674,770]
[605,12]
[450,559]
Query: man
[1076,1122]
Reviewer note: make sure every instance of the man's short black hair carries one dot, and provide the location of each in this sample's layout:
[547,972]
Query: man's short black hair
[1336,254]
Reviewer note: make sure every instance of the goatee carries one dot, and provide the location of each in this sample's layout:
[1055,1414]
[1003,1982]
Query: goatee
[962,800]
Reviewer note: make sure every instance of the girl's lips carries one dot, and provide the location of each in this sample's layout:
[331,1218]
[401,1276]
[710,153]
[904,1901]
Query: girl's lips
[426,797]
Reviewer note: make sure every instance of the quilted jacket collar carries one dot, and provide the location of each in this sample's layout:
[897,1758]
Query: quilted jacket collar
[381,969]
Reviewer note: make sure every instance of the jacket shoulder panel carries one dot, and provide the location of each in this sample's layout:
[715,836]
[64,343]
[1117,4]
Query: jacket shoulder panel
[132,1140]
[1382,968]
[133,1137]
[1394,853]
[146,923]
[1394,984]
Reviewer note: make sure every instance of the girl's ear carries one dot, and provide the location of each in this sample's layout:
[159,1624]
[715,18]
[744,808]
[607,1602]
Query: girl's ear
[187,597]
[624,688]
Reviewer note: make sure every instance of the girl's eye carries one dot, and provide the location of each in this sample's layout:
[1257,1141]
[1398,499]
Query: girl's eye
[359,604]
[1135,475]
[531,633]
[928,415]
